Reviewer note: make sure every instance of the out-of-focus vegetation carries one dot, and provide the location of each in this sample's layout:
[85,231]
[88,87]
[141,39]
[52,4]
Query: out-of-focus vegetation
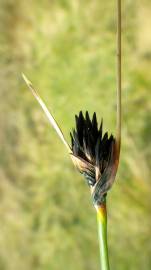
[67,49]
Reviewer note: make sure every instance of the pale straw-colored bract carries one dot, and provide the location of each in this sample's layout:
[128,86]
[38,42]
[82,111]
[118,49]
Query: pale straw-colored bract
[50,117]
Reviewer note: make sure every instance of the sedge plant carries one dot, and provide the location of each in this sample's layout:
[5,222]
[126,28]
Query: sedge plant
[94,154]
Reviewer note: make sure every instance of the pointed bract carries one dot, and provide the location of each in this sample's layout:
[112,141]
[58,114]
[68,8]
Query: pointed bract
[47,112]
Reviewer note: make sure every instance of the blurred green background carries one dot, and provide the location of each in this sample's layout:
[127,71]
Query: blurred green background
[67,49]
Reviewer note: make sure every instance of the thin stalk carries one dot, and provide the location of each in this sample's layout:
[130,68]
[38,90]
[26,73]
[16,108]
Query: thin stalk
[102,231]
[119,79]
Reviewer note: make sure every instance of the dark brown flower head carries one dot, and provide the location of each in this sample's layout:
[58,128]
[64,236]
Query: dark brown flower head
[93,154]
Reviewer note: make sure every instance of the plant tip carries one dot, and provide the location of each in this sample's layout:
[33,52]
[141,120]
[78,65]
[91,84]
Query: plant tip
[26,80]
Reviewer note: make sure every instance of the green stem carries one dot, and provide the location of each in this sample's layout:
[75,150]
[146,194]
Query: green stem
[102,230]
